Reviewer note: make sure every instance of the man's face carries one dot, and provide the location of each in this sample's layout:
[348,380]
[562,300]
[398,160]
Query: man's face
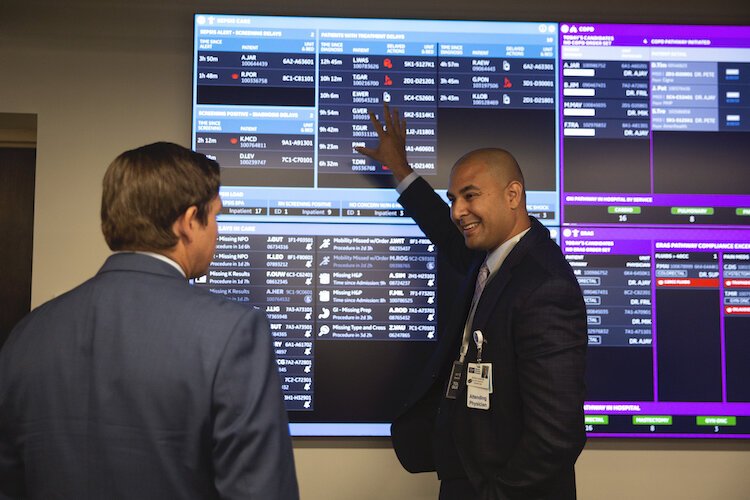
[482,205]
[205,240]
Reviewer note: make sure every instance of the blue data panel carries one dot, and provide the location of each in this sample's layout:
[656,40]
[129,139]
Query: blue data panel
[282,102]
[311,231]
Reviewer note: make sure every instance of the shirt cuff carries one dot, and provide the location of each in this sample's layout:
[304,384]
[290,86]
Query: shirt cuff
[406,182]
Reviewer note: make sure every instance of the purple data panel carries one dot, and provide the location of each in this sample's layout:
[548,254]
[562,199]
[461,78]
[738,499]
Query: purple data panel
[669,329]
[655,124]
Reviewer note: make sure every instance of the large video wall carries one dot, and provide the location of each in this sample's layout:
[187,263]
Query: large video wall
[634,141]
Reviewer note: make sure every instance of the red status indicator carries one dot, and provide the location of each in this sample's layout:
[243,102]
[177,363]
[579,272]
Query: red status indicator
[688,282]
[737,310]
[733,283]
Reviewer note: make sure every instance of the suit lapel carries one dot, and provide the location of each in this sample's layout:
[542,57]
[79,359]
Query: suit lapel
[489,297]
[497,284]
[455,328]
[448,347]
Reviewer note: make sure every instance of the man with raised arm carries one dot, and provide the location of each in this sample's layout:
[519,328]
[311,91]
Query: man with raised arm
[498,412]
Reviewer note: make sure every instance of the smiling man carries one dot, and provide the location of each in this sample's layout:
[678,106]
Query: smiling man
[498,412]
[488,201]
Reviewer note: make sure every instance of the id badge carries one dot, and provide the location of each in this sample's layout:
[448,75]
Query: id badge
[477,398]
[454,382]
[479,375]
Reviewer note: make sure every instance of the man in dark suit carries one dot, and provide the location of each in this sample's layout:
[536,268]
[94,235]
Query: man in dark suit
[498,413]
[136,385]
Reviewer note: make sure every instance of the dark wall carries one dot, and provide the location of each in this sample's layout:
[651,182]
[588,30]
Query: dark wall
[17,171]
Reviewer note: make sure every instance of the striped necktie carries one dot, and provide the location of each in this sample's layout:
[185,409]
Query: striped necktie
[484,274]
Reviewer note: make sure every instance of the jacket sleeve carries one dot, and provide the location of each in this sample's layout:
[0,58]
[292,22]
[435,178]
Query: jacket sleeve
[252,451]
[11,467]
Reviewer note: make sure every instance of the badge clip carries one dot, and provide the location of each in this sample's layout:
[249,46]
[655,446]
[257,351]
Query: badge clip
[479,340]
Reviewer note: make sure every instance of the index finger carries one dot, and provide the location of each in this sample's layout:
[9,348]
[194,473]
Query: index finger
[398,123]
[388,119]
[376,123]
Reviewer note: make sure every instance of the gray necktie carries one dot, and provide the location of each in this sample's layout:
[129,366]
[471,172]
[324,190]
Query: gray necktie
[484,274]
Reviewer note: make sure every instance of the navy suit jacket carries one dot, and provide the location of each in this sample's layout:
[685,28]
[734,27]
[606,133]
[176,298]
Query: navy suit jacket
[534,319]
[136,385]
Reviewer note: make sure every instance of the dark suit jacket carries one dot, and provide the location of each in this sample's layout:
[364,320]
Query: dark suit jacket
[136,385]
[534,319]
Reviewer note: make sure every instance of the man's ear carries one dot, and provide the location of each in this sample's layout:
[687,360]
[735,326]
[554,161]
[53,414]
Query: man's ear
[186,223]
[514,192]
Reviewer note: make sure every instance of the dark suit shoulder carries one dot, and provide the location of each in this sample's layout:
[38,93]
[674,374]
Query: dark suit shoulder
[548,256]
[133,308]
[541,262]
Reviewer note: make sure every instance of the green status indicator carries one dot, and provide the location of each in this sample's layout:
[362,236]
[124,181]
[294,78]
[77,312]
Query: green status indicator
[623,210]
[596,419]
[652,420]
[714,421]
[745,212]
[692,211]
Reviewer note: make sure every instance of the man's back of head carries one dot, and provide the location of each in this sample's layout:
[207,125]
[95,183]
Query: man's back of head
[146,189]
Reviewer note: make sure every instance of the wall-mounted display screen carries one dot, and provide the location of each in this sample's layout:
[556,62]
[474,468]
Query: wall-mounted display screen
[311,230]
[632,140]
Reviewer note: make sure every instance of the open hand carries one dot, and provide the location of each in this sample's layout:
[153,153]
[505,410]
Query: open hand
[391,148]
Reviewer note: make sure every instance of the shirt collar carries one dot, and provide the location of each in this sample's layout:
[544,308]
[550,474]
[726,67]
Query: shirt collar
[160,257]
